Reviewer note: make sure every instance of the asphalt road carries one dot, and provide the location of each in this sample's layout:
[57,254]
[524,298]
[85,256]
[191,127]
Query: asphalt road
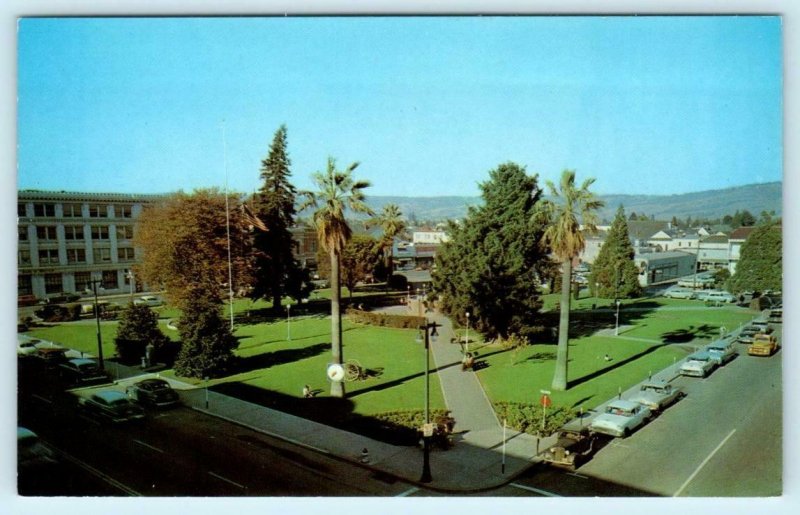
[181,452]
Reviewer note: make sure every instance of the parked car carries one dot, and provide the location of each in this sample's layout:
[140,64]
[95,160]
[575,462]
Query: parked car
[27,347]
[82,371]
[153,392]
[679,293]
[148,300]
[573,448]
[700,281]
[111,405]
[699,364]
[762,326]
[657,394]
[51,357]
[716,297]
[31,452]
[27,300]
[721,351]
[776,316]
[747,333]
[620,418]
[61,297]
[763,345]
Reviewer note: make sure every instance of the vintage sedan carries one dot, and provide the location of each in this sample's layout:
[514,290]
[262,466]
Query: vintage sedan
[82,371]
[153,392]
[574,447]
[699,364]
[620,418]
[148,300]
[721,351]
[111,405]
[679,293]
[747,333]
[657,394]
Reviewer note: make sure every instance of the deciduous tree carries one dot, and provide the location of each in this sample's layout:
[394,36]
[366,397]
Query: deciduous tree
[760,264]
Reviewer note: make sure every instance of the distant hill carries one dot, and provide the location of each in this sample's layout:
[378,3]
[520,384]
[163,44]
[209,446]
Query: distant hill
[704,204]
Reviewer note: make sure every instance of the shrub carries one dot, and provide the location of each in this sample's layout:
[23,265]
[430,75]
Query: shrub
[527,418]
[385,320]
[54,313]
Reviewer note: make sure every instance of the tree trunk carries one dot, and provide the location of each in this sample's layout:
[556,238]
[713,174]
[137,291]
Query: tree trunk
[337,387]
[562,354]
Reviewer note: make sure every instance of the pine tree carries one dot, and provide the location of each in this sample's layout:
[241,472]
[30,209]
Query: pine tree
[206,340]
[614,272]
[277,272]
[490,266]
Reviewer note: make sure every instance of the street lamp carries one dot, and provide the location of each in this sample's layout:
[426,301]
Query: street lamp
[616,328]
[408,296]
[97,318]
[130,277]
[466,344]
[427,338]
[289,321]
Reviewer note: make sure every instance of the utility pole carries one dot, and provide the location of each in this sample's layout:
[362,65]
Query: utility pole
[94,284]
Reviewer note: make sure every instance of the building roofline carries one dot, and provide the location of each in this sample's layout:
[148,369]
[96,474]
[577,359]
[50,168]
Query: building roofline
[76,196]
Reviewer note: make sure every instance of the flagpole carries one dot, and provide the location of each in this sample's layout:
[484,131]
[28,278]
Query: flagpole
[227,221]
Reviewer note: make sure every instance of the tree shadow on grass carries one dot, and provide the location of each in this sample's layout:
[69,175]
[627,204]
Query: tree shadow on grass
[615,365]
[541,357]
[587,321]
[325,410]
[279,357]
[687,335]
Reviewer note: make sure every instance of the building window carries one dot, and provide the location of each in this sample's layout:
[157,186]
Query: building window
[124,211]
[98,211]
[124,232]
[24,285]
[73,210]
[46,233]
[48,257]
[24,257]
[82,280]
[44,210]
[99,232]
[22,231]
[52,283]
[102,255]
[21,209]
[73,232]
[110,280]
[76,256]
[125,254]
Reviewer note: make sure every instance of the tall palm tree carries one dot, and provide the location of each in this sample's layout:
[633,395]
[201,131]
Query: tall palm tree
[336,192]
[392,223]
[565,239]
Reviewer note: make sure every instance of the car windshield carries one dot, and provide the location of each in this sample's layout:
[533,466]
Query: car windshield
[614,410]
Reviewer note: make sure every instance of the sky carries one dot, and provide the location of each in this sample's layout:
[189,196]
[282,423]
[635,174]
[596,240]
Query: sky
[428,106]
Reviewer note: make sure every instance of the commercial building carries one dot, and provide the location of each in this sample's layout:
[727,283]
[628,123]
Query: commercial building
[68,240]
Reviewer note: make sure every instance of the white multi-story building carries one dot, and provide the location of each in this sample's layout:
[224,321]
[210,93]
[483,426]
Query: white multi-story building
[68,240]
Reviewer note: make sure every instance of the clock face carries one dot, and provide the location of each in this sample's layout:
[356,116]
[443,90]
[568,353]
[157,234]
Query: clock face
[335,372]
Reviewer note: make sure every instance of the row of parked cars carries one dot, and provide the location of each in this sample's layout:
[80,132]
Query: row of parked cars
[707,296]
[577,441]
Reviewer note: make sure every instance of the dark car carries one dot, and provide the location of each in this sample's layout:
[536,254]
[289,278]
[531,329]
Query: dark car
[111,405]
[574,448]
[81,371]
[153,392]
[62,297]
[51,357]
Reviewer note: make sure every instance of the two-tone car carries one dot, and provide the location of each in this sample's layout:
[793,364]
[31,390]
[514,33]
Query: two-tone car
[620,418]
[657,394]
[153,392]
[699,364]
[112,406]
[721,351]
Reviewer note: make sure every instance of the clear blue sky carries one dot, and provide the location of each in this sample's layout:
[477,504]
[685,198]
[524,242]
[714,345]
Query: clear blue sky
[427,105]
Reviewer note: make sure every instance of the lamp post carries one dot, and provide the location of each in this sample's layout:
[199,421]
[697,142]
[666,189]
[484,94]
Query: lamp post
[289,321]
[466,344]
[616,328]
[130,277]
[424,336]
[408,296]
[94,284]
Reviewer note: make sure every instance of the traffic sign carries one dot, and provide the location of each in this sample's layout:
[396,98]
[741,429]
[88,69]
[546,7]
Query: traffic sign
[545,401]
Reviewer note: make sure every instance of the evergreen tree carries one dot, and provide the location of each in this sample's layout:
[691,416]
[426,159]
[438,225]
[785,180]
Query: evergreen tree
[490,266]
[277,272]
[760,264]
[138,327]
[614,272]
[206,340]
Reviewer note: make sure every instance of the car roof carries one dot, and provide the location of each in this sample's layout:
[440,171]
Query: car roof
[699,355]
[153,381]
[660,383]
[82,361]
[110,395]
[623,404]
[24,433]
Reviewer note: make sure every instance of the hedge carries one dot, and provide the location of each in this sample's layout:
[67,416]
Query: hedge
[527,418]
[385,320]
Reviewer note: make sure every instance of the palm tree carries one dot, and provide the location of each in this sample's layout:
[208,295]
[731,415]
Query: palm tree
[392,223]
[565,239]
[336,192]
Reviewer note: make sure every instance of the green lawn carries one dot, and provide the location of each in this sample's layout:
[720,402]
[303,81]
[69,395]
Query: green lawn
[271,363]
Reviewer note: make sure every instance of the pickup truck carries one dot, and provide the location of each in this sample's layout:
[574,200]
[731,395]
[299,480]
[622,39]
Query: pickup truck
[763,345]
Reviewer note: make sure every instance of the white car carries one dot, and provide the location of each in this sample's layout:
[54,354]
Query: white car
[27,347]
[716,297]
[657,394]
[148,300]
[679,293]
[620,418]
[699,364]
[721,351]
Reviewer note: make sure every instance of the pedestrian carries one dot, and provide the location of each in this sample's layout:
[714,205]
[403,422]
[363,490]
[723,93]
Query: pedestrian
[607,357]
[307,392]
